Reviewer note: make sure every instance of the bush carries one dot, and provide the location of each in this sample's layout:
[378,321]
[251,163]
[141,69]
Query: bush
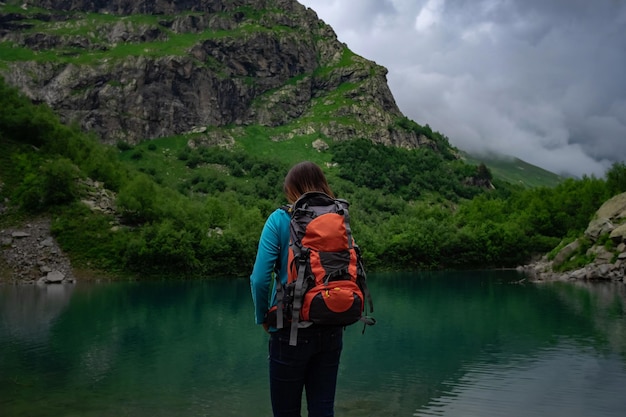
[60,181]
[54,183]
[124,146]
[138,200]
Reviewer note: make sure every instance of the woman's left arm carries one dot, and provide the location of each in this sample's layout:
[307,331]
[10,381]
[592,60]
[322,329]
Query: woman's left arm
[268,255]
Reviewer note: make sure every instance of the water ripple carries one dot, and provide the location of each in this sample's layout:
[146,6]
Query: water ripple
[549,384]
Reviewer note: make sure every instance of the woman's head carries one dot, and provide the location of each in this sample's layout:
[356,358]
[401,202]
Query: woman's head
[303,178]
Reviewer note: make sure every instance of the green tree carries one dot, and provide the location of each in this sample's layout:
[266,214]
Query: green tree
[139,200]
[483,173]
[616,178]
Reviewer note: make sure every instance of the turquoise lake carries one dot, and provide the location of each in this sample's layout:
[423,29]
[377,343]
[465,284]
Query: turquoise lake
[445,344]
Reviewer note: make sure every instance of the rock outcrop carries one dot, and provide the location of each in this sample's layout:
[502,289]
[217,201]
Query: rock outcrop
[33,255]
[130,71]
[604,243]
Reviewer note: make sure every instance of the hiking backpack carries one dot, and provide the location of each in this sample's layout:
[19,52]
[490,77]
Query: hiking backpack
[326,281]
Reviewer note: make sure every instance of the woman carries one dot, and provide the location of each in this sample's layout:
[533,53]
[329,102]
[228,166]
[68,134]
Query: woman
[312,365]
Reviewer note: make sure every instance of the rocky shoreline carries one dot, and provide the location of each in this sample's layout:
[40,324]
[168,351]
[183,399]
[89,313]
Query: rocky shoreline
[605,238]
[542,271]
[31,255]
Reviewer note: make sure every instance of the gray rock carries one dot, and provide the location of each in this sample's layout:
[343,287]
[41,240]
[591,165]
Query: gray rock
[54,277]
[319,145]
[618,235]
[565,253]
[598,227]
[603,270]
[602,255]
[48,242]
[614,208]
[579,274]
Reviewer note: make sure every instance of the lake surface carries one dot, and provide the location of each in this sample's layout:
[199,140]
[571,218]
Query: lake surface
[446,344]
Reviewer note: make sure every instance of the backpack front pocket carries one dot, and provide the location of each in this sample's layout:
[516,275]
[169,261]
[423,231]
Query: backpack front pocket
[337,303]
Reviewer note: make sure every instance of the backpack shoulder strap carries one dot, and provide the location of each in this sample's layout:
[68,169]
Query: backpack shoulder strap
[342,208]
[298,295]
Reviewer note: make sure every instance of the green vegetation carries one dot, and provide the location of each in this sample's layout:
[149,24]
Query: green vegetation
[414,172]
[198,212]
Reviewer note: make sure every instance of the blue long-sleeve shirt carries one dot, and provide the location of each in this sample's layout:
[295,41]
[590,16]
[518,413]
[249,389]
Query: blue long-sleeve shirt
[272,255]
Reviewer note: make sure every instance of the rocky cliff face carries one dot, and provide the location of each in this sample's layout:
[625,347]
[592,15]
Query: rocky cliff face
[134,70]
[603,243]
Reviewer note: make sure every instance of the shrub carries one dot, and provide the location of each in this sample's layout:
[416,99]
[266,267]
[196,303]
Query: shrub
[123,146]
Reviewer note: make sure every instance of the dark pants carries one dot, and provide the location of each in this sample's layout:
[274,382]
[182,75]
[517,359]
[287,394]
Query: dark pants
[312,365]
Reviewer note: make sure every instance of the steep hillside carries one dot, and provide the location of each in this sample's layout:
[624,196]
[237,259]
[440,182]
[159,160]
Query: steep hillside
[515,171]
[131,71]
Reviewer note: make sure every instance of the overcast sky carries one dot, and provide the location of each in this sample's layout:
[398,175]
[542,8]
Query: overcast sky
[541,80]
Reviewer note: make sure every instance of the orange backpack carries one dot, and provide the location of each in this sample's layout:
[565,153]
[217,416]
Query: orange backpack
[326,281]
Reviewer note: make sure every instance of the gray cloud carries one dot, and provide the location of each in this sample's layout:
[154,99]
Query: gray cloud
[540,80]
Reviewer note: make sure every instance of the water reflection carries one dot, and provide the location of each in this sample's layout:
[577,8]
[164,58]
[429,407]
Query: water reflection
[605,302]
[28,311]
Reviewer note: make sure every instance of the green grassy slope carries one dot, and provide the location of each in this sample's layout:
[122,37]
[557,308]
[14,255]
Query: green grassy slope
[515,171]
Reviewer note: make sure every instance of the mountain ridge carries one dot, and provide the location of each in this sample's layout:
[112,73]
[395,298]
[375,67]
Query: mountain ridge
[130,71]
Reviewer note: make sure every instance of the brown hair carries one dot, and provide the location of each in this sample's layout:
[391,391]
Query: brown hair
[303,178]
